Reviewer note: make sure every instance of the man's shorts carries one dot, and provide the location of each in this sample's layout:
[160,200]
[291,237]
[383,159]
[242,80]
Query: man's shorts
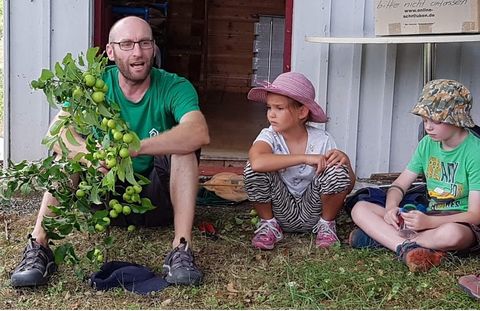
[158,191]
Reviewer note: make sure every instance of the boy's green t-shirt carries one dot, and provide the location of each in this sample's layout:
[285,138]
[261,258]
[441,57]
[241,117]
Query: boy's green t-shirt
[450,175]
[168,98]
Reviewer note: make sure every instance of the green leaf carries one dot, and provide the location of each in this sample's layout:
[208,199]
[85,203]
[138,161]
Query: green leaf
[59,71]
[94,197]
[83,207]
[100,214]
[64,148]
[51,99]
[60,253]
[129,174]
[142,180]
[56,127]
[122,167]
[68,59]
[46,75]
[65,254]
[146,203]
[139,209]
[109,180]
[135,144]
[91,117]
[78,156]
[35,84]
[81,61]
[91,53]
[65,229]
[49,141]
[108,241]
[70,138]
[104,111]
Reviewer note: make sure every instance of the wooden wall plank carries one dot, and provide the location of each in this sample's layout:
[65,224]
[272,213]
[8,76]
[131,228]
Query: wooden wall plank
[230,36]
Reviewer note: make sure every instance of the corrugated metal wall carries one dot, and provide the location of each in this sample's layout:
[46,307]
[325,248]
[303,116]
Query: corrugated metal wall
[38,33]
[368,90]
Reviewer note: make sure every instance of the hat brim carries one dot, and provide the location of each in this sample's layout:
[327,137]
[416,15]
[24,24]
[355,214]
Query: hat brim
[467,121]
[259,94]
[130,276]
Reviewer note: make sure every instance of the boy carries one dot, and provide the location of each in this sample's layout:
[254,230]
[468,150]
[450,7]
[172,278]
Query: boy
[448,158]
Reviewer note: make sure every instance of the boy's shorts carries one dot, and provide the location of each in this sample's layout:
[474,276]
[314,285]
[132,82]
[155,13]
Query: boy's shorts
[415,195]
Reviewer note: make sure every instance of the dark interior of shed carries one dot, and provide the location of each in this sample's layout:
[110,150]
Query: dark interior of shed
[211,43]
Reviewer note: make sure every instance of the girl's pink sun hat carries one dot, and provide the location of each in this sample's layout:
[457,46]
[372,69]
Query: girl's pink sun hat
[296,86]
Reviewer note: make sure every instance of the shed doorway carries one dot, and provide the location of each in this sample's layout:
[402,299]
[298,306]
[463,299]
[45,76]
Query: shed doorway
[211,43]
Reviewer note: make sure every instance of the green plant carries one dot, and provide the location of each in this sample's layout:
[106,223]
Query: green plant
[77,87]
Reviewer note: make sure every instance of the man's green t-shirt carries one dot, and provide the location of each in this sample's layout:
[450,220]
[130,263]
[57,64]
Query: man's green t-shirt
[450,175]
[168,98]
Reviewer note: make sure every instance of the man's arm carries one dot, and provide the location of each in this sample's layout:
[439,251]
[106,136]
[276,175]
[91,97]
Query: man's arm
[189,135]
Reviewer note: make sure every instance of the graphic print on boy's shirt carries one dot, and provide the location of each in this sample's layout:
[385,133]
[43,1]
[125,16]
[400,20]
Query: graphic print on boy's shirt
[445,190]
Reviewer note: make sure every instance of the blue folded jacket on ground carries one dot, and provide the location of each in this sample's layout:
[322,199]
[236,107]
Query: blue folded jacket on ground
[130,276]
[416,195]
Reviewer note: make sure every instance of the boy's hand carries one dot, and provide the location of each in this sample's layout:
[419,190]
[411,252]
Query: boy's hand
[417,220]
[336,157]
[391,217]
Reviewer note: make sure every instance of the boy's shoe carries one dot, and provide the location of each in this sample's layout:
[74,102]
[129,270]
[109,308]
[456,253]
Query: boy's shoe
[179,267]
[36,267]
[359,239]
[471,285]
[417,258]
[268,233]
[326,233]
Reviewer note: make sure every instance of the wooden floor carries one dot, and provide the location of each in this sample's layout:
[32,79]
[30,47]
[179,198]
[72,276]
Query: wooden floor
[234,122]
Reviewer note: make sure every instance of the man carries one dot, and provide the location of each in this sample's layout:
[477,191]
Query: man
[163,110]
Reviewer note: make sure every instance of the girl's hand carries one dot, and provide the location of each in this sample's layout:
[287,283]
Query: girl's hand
[317,160]
[391,217]
[336,157]
[416,220]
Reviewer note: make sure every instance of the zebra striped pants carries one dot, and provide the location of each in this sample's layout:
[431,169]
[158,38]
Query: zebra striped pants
[294,214]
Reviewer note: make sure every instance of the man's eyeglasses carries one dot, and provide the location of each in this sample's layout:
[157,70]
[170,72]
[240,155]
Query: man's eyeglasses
[129,45]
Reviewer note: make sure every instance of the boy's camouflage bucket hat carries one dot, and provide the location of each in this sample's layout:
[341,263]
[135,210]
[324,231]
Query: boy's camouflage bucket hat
[446,101]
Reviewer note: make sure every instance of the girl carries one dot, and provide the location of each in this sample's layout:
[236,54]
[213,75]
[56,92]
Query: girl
[448,158]
[295,177]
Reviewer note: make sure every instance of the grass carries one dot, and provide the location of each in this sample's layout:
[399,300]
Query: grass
[1,70]
[296,275]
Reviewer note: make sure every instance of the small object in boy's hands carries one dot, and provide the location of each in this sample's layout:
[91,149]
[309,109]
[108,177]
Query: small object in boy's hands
[208,230]
[404,232]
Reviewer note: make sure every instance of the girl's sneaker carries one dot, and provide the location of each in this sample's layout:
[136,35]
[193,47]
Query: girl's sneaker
[267,234]
[326,233]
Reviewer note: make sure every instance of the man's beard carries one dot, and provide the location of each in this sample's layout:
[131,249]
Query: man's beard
[125,71]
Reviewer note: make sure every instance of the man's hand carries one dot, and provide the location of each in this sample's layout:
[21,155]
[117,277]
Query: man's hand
[103,168]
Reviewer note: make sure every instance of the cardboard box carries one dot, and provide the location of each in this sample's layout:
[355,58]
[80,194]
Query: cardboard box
[408,17]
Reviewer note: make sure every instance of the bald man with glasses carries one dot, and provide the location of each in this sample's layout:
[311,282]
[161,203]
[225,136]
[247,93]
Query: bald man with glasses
[163,110]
